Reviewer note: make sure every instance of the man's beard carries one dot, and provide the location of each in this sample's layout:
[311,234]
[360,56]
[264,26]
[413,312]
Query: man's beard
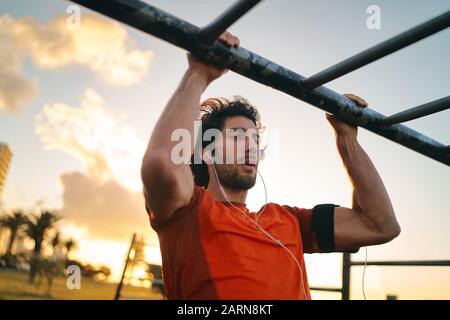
[230,178]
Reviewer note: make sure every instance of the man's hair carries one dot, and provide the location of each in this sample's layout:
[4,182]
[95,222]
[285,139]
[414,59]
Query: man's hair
[213,113]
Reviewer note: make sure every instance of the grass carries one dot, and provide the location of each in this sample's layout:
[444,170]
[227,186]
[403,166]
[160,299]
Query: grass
[15,286]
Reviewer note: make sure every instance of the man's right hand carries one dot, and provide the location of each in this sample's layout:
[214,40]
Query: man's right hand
[208,71]
[169,186]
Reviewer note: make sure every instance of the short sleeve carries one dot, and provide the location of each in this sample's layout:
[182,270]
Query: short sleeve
[304,217]
[158,224]
[316,227]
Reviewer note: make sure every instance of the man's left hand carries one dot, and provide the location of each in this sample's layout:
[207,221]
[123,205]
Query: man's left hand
[342,128]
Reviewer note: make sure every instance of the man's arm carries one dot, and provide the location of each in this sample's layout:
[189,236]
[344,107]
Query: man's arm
[371,220]
[169,186]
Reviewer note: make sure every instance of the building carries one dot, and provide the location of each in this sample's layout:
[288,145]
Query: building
[5,160]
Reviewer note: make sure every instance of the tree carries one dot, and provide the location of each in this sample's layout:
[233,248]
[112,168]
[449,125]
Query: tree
[56,241]
[37,228]
[104,271]
[13,222]
[69,244]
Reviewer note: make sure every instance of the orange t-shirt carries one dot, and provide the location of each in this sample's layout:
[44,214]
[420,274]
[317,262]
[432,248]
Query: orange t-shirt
[210,250]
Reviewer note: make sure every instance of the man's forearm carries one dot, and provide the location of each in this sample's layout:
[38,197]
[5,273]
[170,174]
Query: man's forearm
[181,111]
[369,194]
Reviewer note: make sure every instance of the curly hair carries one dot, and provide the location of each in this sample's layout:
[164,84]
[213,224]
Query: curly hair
[213,113]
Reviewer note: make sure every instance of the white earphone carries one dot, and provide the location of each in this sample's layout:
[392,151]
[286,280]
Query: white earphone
[277,241]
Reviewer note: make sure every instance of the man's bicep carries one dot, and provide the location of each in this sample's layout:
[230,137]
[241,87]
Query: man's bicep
[353,230]
[322,229]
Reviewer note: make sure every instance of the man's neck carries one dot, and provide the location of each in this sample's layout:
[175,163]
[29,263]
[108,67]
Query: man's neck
[231,194]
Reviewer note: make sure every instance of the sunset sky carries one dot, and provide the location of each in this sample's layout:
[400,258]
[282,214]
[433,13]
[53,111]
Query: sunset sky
[77,107]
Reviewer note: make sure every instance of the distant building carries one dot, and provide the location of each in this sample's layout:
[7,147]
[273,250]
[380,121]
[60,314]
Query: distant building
[5,160]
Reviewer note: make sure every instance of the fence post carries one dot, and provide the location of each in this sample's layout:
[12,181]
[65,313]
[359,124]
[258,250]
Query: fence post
[346,263]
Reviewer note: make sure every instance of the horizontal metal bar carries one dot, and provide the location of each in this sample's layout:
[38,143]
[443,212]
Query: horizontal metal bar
[418,112]
[416,263]
[339,290]
[240,60]
[212,31]
[381,50]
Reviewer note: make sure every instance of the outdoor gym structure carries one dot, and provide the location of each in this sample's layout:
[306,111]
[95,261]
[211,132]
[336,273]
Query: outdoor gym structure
[202,43]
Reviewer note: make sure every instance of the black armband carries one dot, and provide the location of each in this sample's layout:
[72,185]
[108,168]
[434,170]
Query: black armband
[323,226]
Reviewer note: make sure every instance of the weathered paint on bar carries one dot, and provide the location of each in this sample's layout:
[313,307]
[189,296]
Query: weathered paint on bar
[240,60]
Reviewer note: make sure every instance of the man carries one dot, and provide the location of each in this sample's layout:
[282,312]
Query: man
[212,247]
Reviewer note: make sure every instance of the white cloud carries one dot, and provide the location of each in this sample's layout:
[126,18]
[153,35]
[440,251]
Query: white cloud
[107,199]
[15,90]
[101,139]
[101,45]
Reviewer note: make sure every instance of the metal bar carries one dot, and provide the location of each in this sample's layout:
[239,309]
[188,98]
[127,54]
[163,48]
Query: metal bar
[326,289]
[212,31]
[240,60]
[419,111]
[346,265]
[381,50]
[119,286]
[417,263]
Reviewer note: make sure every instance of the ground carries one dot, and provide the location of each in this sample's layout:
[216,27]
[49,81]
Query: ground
[14,285]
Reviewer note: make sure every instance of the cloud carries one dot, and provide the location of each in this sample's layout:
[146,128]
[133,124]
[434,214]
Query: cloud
[101,45]
[107,209]
[15,90]
[101,139]
[107,199]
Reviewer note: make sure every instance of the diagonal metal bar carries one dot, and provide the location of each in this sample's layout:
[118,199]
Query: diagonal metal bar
[381,50]
[212,31]
[240,60]
[419,111]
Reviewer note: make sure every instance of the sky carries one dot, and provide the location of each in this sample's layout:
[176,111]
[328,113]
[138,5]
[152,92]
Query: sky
[78,105]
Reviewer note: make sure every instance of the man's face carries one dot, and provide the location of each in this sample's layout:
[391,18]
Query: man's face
[239,145]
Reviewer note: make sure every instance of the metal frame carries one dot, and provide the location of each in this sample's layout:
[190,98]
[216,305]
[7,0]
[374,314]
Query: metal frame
[418,112]
[212,31]
[379,51]
[347,263]
[240,60]
[201,42]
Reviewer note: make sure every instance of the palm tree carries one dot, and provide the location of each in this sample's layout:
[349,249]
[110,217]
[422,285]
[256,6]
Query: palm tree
[13,223]
[69,244]
[37,228]
[56,241]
